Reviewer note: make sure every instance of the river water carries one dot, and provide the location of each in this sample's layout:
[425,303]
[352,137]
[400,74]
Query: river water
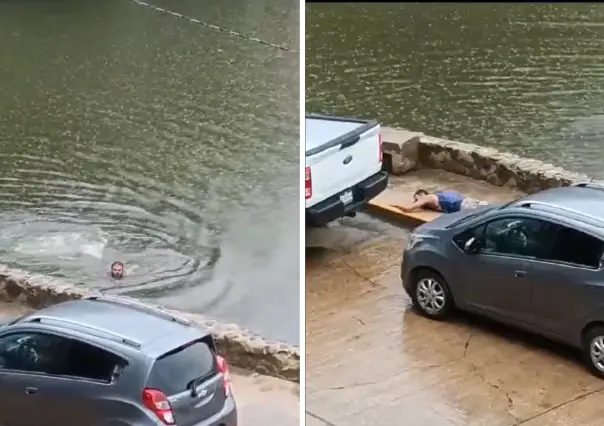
[130,134]
[521,77]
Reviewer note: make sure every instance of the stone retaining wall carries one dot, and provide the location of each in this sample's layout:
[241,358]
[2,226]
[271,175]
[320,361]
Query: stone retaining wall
[411,150]
[241,347]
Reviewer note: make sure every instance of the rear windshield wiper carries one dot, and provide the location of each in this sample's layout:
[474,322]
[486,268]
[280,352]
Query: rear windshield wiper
[194,384]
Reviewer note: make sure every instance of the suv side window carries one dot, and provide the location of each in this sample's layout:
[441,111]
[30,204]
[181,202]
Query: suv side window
[517,236]
[90,362]
[520,237]
[44,353]
[30,352]
[576,247]
[461,238]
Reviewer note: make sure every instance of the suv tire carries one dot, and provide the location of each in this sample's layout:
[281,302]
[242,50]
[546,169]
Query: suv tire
[431,295]
[593,348]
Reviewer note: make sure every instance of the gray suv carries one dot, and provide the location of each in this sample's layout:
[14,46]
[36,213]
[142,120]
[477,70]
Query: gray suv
[535,263]
[105,361]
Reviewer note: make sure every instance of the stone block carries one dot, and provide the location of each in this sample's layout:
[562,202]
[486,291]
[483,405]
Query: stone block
[495,167]
[401,146]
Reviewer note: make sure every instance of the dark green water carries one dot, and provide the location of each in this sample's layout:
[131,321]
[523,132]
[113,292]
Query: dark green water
[130,134]
[526,78]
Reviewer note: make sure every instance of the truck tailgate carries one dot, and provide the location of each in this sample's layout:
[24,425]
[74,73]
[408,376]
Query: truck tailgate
[344,160]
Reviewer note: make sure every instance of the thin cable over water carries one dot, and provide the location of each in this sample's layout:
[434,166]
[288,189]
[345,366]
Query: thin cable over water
[215,27]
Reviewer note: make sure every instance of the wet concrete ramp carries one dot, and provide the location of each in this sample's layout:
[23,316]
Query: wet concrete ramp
[372,360]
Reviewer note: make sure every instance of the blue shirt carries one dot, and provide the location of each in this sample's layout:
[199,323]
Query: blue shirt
[449,201]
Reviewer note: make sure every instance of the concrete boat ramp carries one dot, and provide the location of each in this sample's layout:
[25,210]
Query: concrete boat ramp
[371,360]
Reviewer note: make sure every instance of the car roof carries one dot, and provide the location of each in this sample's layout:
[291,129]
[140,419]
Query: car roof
[582,201]
[135,323]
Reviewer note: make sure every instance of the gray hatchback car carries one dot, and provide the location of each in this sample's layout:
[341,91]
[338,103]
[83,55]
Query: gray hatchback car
[536,263]
[106,361]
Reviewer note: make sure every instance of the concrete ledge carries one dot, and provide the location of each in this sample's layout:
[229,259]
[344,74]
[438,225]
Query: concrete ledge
[411,150]
[241,347]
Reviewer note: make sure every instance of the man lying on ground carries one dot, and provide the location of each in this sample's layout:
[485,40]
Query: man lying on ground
[442,201]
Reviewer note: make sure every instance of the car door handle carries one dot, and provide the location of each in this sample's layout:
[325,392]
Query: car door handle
[30,391]
[520,274]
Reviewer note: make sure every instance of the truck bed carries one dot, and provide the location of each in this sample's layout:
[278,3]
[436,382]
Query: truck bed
[324,132]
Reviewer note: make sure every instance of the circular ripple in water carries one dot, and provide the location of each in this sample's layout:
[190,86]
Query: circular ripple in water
[128,134]
[57,224]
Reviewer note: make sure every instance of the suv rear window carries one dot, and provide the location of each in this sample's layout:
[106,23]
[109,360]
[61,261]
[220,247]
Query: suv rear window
[174,371]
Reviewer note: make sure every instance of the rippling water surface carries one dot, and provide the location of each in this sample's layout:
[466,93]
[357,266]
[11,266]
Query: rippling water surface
[527,78]
[127,134]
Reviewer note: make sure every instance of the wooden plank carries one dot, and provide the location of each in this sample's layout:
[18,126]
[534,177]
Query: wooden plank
[421,216]
[415,217]
[386,203]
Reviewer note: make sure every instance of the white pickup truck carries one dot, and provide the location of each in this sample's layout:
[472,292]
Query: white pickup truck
[343,167]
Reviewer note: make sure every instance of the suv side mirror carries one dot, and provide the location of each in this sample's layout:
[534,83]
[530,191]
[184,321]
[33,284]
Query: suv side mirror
[473,245]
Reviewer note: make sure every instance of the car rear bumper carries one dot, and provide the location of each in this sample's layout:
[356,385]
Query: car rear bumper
[226,417]
[229,419]
[333,208]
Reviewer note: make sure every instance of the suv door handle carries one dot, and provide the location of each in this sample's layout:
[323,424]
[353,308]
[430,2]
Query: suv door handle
[520,274]
[30,390]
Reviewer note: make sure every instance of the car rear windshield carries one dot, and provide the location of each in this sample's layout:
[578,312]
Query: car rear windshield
[175,371]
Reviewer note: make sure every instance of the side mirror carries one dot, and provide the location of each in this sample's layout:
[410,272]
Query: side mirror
[601,263]
[472,246]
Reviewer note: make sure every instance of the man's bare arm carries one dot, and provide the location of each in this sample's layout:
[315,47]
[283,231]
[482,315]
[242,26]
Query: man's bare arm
[416,205]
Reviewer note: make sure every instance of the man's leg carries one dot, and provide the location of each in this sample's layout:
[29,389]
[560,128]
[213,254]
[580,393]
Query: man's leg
[472,203]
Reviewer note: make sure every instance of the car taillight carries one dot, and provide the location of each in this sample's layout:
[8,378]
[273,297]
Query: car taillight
[156,401]
[223,367]
[381,150]
[308,183]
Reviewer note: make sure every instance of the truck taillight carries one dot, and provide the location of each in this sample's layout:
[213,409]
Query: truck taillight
[156,401]
[308,183]
[381,149]
[223,367]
